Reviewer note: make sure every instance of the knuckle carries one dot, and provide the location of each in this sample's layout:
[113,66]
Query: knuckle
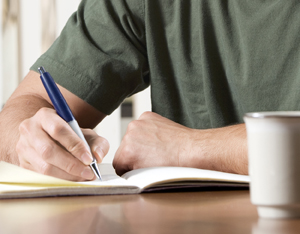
[146,115]
[105,144]
[133,125]
[126,138]
[56,130]
[78,147]
[127,152]
[45,169]
[46,151]
[24,127]
[70,167]
[43,112]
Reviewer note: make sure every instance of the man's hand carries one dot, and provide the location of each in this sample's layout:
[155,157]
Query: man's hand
[48,145]
[153,140]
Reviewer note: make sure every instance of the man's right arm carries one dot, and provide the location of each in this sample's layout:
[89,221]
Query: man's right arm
[31,130]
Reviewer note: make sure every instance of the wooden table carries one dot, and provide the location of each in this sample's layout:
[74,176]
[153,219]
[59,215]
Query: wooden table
[181,212]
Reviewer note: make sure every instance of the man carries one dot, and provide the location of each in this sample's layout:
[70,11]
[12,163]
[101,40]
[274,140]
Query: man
[208,63]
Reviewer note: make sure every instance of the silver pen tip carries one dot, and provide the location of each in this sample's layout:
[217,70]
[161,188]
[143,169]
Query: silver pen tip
[41,70]
[95,169]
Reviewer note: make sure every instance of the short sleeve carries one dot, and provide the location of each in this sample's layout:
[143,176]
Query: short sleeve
[101,55]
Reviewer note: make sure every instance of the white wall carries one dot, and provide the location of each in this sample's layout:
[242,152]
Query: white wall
[110,129]
[64,9]
[141,103]
[30,30]
[9,54]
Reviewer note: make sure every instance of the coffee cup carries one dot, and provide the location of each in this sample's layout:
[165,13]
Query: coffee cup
[274,162]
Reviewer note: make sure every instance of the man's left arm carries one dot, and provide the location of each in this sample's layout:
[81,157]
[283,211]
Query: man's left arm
[153,140]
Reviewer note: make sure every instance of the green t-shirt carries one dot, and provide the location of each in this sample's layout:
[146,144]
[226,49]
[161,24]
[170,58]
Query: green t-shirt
[208,62]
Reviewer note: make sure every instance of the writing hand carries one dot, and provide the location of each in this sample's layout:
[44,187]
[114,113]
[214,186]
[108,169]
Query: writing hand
[48,145]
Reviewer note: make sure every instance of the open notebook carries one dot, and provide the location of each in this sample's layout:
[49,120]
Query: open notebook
[16,182]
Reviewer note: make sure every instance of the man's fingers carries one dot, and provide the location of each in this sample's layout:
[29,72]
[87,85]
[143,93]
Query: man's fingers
[117,162]
[48,145]
[48,169]
[98,144]
[60,131]
[63,160]
[43,153]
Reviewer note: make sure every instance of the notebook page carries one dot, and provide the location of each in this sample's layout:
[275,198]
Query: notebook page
[146,177]
[14,175]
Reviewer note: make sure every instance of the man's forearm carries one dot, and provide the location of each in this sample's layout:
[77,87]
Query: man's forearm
[14,112]
[153,140]
[221,149]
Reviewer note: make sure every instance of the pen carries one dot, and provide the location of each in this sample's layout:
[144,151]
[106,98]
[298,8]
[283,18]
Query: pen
[64,111]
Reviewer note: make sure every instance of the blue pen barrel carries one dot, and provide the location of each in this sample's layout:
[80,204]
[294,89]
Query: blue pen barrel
[56,97]
[63,110]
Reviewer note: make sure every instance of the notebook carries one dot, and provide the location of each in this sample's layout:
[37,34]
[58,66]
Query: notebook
[17,182]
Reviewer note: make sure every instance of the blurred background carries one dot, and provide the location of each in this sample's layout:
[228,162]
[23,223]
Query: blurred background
[27,29]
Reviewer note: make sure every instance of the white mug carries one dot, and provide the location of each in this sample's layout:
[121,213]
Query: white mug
[274,162]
